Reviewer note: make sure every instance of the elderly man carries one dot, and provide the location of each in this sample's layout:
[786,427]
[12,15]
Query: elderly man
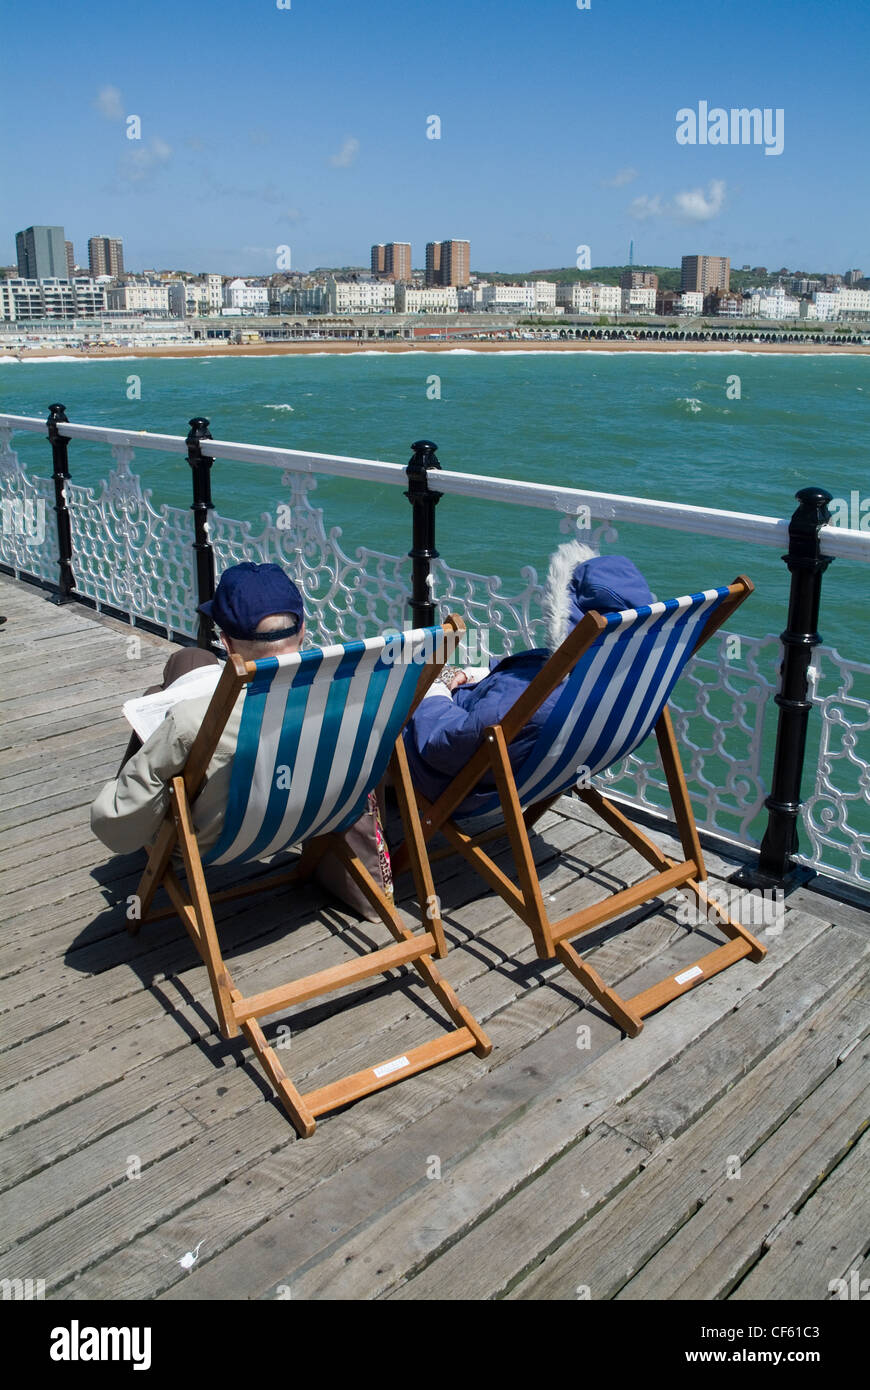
[259,613]
[445,732]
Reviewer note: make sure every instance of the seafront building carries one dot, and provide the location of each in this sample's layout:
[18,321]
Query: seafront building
[139,296]
[436,299]
[772,304]
[70,260]
[106,256]
[392,260]
[41,253]
[23,298]
[840,303]
[360,296]
[448,263]
[582,298]
[702,274]
[243,298]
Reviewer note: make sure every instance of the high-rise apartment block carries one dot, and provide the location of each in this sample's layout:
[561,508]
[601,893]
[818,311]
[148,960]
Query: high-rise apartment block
[703,274]
[70,260]
[392,260]
[41,253]
[106,256]
[448,263]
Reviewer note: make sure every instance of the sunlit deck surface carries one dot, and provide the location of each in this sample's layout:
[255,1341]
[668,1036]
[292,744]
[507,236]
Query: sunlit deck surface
[717,1155]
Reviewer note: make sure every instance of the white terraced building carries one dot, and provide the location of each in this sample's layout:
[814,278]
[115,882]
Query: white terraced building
[775,304]
[139,296]
[248,299]
[360,296]
[641,299]
[434,299]
[840,303]
[581,298]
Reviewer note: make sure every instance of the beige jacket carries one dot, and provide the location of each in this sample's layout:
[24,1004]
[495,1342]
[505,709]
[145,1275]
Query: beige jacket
[129,810]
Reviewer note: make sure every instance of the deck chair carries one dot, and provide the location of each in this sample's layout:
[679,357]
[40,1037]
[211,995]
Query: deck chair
[618,672]
[318,731]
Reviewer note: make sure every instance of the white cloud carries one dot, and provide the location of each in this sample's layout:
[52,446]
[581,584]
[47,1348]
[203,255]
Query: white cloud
[644,207]
[694,206]
[620,178]
[346,155]
[138,163]
[109,104]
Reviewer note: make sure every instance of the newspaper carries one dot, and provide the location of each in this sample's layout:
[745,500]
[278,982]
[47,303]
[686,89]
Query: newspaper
[147,712]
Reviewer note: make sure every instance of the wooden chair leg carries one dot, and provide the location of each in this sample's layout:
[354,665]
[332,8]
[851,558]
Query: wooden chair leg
[524,860]
[629,1021]
[679,791]
[159,858]
[211,952]
[430,908]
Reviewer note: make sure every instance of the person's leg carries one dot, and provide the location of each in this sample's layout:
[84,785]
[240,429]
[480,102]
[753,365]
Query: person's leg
[184,660]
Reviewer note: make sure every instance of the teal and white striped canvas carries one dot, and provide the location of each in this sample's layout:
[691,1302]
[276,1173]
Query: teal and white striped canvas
[316,735]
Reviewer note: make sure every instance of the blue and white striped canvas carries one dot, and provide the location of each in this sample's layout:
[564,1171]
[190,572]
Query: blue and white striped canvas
[611,700]
[316,735]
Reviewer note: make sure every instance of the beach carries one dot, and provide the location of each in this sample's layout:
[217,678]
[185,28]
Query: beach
[216,348]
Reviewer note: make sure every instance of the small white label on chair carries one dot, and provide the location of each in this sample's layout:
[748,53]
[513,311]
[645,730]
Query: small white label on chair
[396,1065]
[688,974]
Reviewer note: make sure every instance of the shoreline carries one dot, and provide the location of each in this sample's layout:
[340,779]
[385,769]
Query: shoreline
[346,348]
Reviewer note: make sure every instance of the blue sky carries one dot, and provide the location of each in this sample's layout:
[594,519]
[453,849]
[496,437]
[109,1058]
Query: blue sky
[306,127]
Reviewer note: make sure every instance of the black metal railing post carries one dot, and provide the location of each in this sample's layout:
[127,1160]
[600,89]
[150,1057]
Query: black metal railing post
[60,471]
[807,564]
[423,502]
[200,464]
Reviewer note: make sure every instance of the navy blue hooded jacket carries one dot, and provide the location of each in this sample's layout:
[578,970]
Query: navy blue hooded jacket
[444,733]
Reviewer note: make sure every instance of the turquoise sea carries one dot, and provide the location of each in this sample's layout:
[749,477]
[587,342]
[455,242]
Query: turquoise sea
[657,426]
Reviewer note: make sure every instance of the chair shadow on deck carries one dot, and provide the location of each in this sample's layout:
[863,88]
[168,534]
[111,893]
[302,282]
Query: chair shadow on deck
[163,954]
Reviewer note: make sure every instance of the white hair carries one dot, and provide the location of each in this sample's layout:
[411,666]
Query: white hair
[555,605]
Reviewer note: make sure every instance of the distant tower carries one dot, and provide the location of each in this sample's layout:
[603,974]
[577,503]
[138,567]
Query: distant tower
[631,253]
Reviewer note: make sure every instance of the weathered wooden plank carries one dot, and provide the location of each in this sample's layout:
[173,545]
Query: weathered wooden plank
[549,1096]
[709,1254]
[823,1242]
[526,1022]
[518,1234]
[123,1156]
[608,1250]
[36,1064]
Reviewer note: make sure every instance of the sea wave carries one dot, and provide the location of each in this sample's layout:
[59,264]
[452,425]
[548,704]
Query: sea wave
[267,406]
[69,359]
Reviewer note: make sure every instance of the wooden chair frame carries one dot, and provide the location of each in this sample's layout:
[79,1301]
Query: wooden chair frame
[553,939]
[239,1013]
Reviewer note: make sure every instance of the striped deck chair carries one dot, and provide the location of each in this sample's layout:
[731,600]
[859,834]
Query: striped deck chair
[318,731]
[618,672]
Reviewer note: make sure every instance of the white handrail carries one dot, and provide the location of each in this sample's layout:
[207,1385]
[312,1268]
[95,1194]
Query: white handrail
[838,541]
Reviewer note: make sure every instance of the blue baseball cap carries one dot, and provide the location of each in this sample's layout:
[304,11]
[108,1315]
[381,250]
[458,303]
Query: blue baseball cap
[607,584]
[246,594]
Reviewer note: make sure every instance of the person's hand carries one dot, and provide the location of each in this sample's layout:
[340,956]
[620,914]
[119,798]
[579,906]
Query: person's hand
[458,679]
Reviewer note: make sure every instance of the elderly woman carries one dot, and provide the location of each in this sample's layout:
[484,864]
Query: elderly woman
[448,726]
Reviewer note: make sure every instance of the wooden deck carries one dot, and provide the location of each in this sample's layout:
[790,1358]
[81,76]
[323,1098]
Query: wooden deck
[717,1155]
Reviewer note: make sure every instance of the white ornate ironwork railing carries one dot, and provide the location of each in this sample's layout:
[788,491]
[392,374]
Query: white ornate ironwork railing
[137,558]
